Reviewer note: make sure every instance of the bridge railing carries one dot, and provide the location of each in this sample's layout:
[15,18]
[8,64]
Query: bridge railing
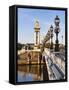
[55,65]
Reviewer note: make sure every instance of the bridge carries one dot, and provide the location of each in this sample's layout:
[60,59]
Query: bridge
[55,65]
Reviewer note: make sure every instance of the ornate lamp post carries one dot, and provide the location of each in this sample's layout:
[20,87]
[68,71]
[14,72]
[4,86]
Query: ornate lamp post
[51,35]
[48,38]
[57,30]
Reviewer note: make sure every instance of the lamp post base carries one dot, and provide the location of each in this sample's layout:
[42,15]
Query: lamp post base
[56,47]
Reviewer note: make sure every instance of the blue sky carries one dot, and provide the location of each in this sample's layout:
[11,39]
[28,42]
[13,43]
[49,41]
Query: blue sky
[27,18]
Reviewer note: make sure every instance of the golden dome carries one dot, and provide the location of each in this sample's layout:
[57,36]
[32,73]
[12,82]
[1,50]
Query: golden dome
[37,26]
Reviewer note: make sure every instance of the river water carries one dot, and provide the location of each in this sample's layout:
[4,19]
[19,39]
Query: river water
[33,72]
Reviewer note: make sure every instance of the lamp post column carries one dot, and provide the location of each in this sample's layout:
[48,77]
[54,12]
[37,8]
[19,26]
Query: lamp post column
[51,36]
[57,30]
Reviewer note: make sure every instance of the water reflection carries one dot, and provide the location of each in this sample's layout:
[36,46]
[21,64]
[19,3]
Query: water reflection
[32,73]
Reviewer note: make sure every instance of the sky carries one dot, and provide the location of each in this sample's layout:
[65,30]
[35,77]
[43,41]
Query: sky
[27,18]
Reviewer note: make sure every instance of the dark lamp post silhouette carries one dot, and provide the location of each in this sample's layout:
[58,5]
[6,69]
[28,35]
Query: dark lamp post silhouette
[57,30]
[51,36]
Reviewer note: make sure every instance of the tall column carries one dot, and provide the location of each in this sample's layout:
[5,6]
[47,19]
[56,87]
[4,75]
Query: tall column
[37,34]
